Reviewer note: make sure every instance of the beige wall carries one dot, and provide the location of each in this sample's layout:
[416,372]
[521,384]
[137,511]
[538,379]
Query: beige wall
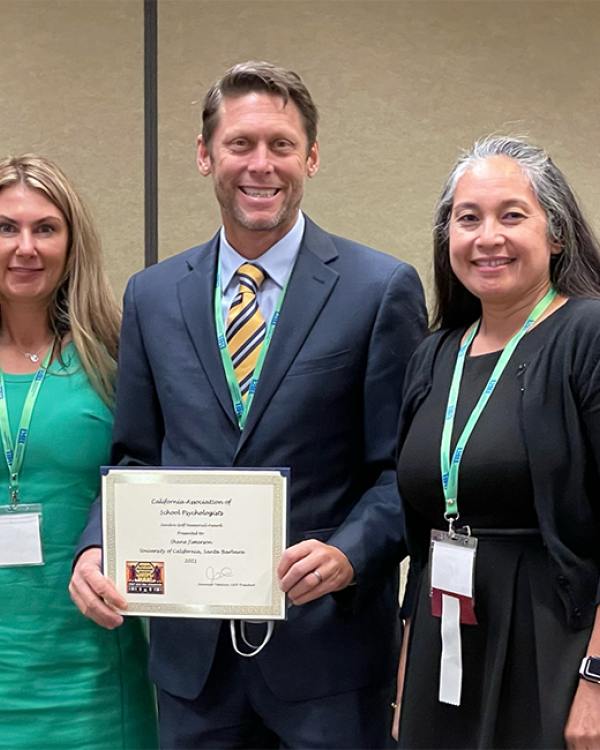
[71,88]
[402,87]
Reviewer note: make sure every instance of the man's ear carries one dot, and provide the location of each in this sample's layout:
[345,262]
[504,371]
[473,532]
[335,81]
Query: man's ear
[203,158]
[312,160]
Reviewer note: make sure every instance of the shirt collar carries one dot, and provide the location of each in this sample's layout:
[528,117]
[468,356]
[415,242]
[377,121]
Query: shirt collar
[277,262]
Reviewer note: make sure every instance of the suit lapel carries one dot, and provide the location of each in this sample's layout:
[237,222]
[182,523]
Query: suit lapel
[311,283]
[196,297]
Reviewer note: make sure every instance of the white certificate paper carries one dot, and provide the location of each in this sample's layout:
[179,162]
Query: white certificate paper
[196,542]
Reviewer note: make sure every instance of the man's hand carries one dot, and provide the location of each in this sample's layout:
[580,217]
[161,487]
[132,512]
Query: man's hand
[583,726]
[89,588]
[311,569]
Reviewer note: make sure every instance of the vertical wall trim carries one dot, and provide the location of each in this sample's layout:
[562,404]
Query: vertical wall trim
[150,132]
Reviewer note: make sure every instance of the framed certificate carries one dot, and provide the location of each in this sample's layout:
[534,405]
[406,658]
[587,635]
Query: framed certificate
[184,542]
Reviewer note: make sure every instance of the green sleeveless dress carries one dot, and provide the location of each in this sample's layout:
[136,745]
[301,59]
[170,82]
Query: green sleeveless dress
[65,682]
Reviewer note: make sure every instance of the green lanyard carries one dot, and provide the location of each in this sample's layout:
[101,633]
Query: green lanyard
[242,409]
[450,470]
[14,456]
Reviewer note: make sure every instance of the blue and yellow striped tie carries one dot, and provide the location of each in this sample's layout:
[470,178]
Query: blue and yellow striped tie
[246,329]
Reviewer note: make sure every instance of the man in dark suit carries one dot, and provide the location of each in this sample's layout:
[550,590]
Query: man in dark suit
[325,404]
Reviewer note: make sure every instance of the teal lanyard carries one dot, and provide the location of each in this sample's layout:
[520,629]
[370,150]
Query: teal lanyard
[242,409]
[450,470]
[14,456]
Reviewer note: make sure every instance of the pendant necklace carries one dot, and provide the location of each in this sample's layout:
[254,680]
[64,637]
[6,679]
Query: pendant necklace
[33,356]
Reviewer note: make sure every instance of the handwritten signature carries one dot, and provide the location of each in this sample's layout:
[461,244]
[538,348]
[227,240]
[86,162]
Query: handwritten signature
[214,575]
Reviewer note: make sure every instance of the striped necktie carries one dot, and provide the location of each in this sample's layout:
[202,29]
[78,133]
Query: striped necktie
[246,329]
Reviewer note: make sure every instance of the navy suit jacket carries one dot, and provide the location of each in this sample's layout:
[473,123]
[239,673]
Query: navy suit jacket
[326,405]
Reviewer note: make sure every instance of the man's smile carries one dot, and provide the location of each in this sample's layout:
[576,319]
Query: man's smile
[256,192]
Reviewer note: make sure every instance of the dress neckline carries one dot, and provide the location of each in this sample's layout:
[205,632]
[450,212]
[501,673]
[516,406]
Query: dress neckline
[55,366]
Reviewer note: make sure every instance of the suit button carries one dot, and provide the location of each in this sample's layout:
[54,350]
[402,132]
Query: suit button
[576,612]
[562,581]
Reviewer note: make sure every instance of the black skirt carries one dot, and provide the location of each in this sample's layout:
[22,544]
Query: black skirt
[520,662]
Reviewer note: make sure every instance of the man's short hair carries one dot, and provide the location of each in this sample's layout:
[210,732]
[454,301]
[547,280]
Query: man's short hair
[251,76]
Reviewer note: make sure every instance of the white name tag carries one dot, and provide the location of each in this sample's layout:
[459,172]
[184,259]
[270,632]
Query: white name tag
[451,583]
[21,535]
[452,567]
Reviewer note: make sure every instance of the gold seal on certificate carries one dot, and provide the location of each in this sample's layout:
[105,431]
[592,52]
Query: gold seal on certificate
[196,542]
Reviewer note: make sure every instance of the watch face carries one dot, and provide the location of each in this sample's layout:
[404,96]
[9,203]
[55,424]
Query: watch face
[592,668]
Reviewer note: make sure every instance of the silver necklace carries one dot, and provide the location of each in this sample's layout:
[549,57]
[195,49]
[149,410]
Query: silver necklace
[33,356]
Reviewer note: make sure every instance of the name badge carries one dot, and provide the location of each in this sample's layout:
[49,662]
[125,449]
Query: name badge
[21,535]
[452,572]
[451,587]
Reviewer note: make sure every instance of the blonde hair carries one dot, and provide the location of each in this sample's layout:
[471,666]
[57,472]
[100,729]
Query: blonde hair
[83,302]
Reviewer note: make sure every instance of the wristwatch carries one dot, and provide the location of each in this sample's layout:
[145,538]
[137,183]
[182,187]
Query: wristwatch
[590,669]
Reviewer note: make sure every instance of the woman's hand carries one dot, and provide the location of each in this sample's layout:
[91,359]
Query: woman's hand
[400,688]
[582,731]
[583,726]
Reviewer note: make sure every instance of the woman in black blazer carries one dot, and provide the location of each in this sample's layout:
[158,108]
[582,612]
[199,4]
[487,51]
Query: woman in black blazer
[500,457]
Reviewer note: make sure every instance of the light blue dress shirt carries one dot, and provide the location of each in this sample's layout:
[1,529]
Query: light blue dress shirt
[277,263]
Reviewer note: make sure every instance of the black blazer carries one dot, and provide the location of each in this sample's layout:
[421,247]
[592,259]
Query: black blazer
[560,420]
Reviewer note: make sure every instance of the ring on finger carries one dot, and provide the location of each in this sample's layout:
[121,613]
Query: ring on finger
[318,575]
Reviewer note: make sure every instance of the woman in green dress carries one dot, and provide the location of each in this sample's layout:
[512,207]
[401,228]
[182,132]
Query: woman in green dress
[64,682]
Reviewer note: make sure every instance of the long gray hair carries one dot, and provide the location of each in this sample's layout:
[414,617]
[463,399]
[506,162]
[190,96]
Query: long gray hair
[574,272]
